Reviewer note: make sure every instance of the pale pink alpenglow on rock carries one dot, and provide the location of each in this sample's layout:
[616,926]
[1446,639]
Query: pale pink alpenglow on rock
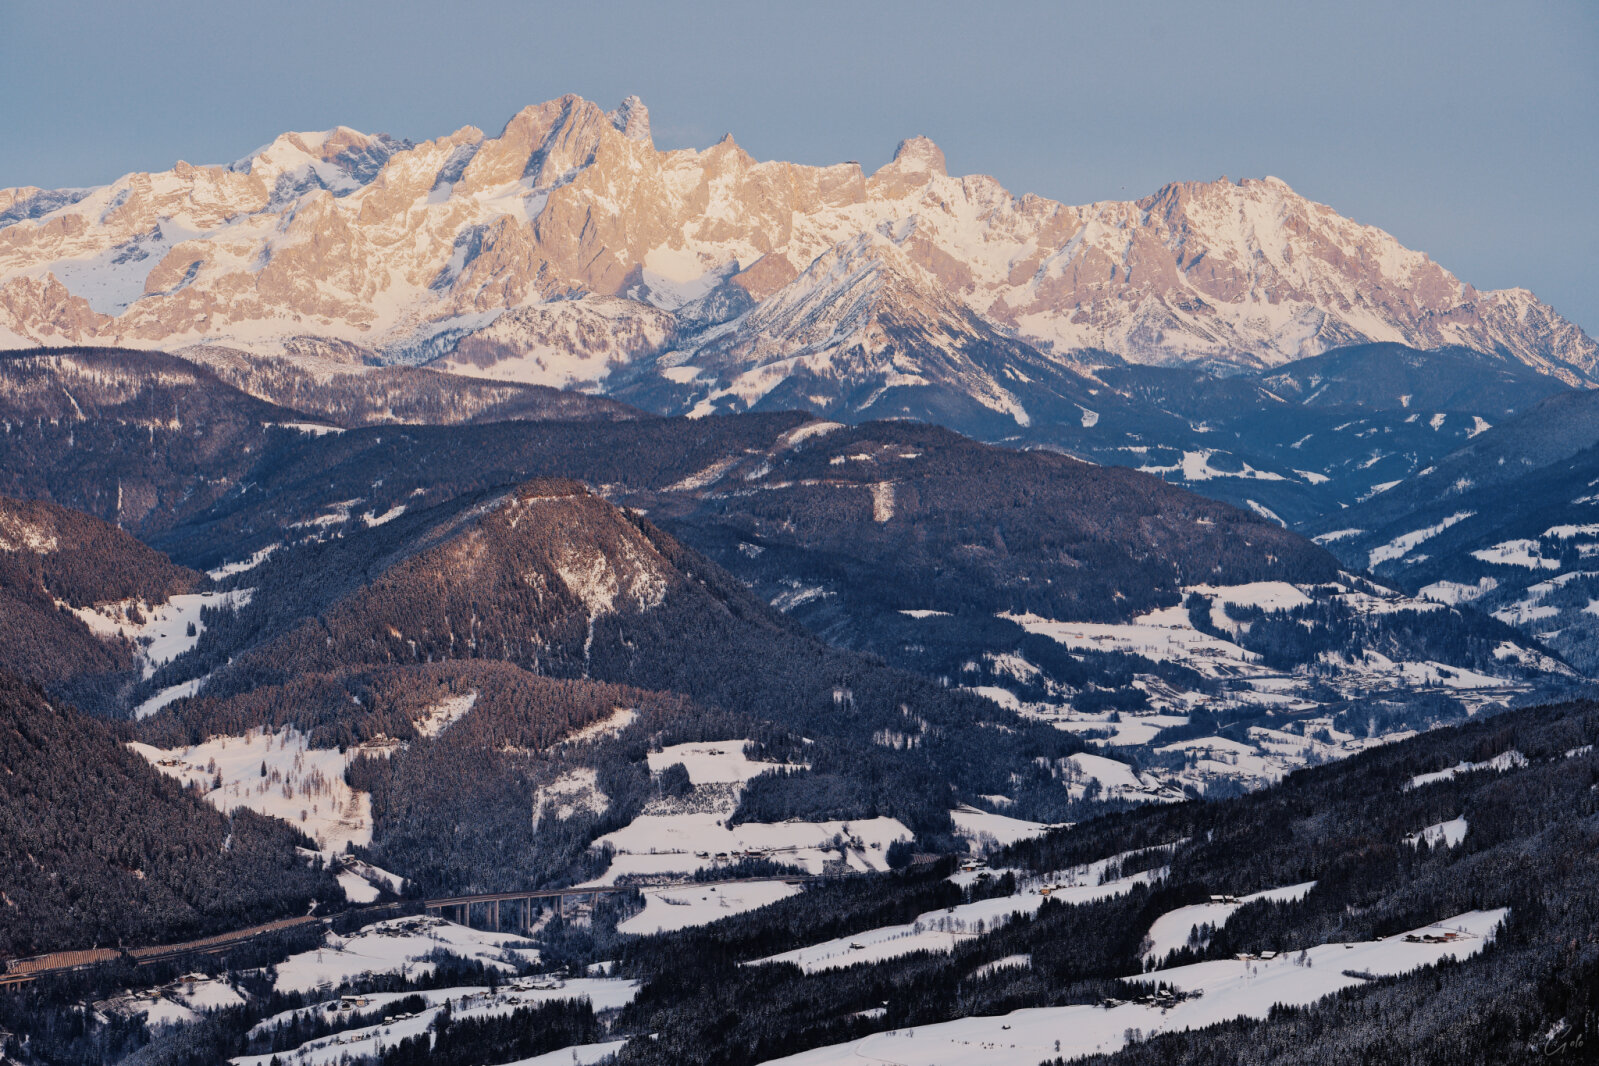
[320,241]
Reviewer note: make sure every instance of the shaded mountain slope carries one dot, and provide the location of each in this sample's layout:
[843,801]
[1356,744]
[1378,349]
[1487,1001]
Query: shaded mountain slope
[53,562]
[100,849]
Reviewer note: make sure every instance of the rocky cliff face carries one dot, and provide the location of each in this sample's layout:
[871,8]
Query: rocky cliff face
[497,251]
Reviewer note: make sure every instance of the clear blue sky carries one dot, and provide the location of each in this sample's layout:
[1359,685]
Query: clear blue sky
[1469,130]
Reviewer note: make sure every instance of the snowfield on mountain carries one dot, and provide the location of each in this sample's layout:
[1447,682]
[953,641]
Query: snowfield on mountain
[468,249]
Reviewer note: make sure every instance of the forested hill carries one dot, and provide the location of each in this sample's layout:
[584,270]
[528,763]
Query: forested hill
[101,849]
[55,564]
[143,439]
[555,580]
[350,393]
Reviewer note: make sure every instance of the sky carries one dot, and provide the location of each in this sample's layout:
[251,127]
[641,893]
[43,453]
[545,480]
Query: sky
[1468,130]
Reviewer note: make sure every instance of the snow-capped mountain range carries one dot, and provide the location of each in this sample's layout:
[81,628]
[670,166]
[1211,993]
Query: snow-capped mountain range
[568,250]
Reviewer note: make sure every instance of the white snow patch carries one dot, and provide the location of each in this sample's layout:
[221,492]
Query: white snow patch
[1195,466]
[1499,763]
[576,790]
[1447,833]
[370,519]
[366,1043]
[302,785]
[669,909]
[1569,532]
[1516,553]
[439,717]
[357,889]
[981,826]
[720,761]
[229,569]
[396,946]
[943,929]
[1405,543]
[1266,513]
[1009,962]
[660,844]
[170,694]
[164,633]
[882,501]
[609,726]
[1454,592]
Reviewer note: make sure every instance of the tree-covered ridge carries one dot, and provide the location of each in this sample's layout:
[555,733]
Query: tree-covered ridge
[84,561]
[1531,847]
[53,559]
[919,517]
[97,848]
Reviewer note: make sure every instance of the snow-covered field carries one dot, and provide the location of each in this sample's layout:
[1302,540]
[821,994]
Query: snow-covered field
[1196,466]
[683,843]
[1116,780]
[1447,833]
[170,694]
[1404,544]
[580,1055]
[1231,988]
[243,565]
[464,1002]
[398,946]
[175,1003]
[711,762]
[275,774]
[672,838]
[669,909]
[942,929]
[1524,553]
[1171,930]
[161,631]
[980,827]
[1509,760]
[439,717]
[609,726]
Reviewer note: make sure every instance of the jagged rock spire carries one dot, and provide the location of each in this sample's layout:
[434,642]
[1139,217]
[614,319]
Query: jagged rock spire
[632,118]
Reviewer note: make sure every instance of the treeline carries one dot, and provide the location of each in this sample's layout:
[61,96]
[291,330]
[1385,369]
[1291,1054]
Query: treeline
[509,706]
[369,395]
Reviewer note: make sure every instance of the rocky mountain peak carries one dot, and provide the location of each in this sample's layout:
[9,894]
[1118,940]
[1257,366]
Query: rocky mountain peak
[919,154]
[632,119]
[400,249]
[916,161]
